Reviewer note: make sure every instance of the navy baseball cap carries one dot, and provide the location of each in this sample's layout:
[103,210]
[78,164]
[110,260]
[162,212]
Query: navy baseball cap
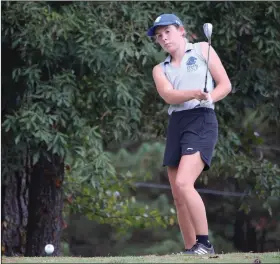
[164,20]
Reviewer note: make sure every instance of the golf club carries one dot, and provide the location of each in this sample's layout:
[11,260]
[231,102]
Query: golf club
[207,28]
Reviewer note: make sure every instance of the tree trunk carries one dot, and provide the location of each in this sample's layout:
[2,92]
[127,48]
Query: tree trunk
[15,211]
[45,221]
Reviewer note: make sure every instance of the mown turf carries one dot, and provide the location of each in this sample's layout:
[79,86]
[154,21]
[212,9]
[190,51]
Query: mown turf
[273,257]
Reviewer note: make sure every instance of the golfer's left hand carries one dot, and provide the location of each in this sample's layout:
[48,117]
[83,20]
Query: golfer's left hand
[208,101]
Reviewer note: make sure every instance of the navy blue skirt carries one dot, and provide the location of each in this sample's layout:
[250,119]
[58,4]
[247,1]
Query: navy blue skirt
[190,131]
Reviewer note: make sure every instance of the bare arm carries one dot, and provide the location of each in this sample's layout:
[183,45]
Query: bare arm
[218,72]
[168,94]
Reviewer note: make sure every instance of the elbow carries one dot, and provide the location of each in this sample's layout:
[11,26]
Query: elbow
[229,87]
[166,97]
[226,87]
[170,100]
[167,100]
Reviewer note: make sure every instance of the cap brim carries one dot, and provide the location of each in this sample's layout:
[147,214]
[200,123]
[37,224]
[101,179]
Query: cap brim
[151,31]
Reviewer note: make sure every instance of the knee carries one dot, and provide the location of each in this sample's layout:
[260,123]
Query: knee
[183,185]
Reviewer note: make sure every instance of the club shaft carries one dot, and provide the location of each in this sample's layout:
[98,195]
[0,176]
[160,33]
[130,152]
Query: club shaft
[205,87]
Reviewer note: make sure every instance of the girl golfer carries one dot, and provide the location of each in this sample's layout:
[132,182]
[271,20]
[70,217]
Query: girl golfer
[193,128]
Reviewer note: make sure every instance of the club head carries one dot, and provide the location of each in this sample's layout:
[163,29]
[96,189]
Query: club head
[207,28]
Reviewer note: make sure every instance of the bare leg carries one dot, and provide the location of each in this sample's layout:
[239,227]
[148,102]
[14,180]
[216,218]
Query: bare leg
[189,169]
[183,215]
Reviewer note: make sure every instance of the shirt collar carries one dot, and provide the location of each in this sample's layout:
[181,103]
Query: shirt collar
[188,47]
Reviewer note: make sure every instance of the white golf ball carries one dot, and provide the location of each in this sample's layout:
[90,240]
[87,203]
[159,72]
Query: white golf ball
[49,248]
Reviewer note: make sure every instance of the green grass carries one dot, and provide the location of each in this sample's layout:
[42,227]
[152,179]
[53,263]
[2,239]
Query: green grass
[273,257]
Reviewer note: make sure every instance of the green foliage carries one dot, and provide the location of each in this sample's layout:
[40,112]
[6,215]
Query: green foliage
[112,204]
[145,162]
[111,199]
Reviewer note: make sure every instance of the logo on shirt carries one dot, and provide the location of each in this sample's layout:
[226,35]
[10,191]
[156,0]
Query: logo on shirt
[191,60]
[191,64]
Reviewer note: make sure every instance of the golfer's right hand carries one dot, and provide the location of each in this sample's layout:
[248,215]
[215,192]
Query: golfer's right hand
[199,95]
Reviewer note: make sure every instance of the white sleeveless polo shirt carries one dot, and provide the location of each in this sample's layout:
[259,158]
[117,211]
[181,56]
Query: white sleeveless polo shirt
[190,75]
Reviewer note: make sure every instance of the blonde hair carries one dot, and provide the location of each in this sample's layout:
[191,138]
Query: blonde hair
[185,32]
